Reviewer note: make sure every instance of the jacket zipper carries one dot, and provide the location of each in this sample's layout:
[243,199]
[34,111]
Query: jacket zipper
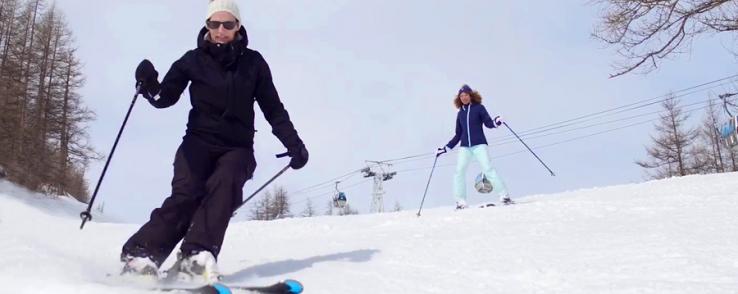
[468,129]
[229,93]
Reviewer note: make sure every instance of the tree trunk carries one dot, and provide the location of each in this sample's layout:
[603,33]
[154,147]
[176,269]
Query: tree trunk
[64,133]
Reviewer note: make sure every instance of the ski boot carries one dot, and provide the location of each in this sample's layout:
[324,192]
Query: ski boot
[507,201]
[139,266]
[199,267]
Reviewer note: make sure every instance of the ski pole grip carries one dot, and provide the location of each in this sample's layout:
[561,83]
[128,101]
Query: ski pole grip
[283,155]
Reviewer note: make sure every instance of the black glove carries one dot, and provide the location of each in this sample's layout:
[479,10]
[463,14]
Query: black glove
[299,156]
[147,77]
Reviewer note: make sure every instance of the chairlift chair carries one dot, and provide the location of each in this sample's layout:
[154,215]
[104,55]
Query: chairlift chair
[339,199]
[728,131]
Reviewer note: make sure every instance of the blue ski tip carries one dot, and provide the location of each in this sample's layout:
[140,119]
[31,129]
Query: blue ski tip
[293,286]
[222,289]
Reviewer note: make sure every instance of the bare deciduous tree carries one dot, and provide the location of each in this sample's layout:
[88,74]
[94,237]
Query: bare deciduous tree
[709,156]
[261,210]
[647,31]
[669,156]
[340,211]
[274,205]
[309,210]
[281,203]
[397,207]
[347,210]
[329,209]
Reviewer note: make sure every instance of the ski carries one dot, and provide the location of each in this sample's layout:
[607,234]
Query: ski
[491,204]
[282,287]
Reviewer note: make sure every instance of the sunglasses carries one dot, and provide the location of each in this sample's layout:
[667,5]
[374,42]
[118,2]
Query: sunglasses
[214,25]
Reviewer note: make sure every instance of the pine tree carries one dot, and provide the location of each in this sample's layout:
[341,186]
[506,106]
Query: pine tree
[43,137]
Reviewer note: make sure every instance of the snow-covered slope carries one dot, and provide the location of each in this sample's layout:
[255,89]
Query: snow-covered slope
[671,236]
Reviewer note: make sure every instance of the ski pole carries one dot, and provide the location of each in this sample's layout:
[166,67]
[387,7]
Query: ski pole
[428,184]
[531,151]
[265,184]
[85,215]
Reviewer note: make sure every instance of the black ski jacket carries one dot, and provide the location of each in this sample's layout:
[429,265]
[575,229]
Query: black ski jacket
[225,81]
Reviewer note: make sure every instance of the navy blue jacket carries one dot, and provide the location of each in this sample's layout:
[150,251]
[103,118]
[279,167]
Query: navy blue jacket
[469,122]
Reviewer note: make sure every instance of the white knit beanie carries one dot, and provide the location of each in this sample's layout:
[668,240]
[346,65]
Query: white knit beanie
[229,6]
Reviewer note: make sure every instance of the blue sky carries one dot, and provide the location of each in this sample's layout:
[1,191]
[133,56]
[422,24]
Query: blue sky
[374,80]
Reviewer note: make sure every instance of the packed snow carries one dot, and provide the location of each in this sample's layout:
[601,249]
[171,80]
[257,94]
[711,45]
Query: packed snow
[677,235]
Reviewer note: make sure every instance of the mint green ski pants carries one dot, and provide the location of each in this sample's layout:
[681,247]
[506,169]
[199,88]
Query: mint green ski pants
[479,152]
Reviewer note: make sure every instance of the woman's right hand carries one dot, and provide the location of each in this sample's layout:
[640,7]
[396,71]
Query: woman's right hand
[147,78]
[441,150]
[145,72]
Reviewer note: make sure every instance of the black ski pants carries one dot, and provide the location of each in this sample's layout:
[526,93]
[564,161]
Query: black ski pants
[206,188]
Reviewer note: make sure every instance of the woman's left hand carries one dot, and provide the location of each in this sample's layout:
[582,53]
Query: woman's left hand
[299,155]
[498,121]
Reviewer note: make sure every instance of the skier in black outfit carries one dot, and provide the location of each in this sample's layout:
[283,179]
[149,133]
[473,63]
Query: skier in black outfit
[216,156]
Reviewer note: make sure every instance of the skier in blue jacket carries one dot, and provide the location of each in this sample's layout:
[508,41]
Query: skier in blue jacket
[469,120]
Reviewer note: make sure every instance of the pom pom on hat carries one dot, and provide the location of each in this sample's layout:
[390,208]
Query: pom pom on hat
[465,89]
[229,6]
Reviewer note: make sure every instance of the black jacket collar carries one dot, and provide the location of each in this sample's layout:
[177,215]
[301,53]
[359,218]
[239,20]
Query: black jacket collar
[225,54]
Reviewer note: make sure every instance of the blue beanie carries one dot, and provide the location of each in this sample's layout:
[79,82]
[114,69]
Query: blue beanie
[465,89]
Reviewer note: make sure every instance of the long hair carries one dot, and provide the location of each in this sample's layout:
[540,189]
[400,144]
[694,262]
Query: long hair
[475,98]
